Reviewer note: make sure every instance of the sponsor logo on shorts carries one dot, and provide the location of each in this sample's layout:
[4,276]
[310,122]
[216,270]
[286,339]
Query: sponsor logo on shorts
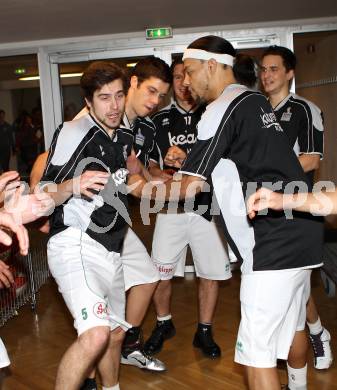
[165,270]
[239,346]
[100,310]
[227,267]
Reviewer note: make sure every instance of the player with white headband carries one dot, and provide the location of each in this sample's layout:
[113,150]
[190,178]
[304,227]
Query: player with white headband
[241,146]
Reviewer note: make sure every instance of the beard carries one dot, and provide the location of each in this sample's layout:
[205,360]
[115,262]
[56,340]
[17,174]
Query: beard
[201,97]
[109,124]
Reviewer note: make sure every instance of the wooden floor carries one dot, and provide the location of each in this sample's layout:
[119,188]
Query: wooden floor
[36,342]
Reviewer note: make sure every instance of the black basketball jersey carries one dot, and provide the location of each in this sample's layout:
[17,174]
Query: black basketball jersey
[178,127]
[302,121]
[144,132]
[81,145]
[240,143]
[174,126]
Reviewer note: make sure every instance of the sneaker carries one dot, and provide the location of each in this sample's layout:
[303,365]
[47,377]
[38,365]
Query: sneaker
[322,350]
[89,384]
[203,339]
[163,330]
[139,358]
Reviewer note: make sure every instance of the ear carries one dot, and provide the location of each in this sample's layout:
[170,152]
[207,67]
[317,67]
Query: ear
[290,74]
[134,82]
[212,65]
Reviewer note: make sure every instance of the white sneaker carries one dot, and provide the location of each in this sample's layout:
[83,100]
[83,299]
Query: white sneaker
[322,350]
[142,360]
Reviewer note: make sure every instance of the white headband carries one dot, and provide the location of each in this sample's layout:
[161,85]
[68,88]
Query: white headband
[199,54]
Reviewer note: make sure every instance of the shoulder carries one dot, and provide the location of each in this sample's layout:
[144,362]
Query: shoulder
[236,103]
[305,104]
[69,136]
[146,122]
[163,112]
[310,109]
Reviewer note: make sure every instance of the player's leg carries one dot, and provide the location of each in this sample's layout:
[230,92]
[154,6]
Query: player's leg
[141,278]
[319,337]
[84,272]
[269,321]
[207,242]
[168,254]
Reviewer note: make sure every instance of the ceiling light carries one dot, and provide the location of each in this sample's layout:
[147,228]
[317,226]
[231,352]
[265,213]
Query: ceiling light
[62,75]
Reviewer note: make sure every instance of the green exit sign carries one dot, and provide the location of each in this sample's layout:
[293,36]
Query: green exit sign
[20,71]
[158,33]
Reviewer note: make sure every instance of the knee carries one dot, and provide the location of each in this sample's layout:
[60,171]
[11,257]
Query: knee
[117,336]
[208,283]
[95,339]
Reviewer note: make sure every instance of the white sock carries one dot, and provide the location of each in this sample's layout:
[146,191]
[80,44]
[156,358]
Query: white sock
[116,387]
[297,378]
[316,327]
[165,318]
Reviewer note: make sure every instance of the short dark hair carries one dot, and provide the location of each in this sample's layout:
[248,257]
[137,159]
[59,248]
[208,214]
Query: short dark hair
[152,67]
[288,57]
[98,74]
[175,62]
[245,70]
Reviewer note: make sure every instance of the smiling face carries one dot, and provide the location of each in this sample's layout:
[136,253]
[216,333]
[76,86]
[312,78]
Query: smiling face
[197,79]
[181,92]
[274,76]
[107,105]
[144,97]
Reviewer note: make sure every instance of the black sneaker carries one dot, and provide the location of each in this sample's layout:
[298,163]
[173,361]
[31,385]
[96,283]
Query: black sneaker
[89,384]
[203,339]
[163,330]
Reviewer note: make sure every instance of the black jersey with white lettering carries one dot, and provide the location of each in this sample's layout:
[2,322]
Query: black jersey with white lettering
[144,132]
[82,145]
[239,140]
[174,126]
[302,121]
[178,127]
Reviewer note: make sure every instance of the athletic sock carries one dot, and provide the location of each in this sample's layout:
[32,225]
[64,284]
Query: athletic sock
[297,378]
[116,387]
[164,318]
[316,327]
[202,325]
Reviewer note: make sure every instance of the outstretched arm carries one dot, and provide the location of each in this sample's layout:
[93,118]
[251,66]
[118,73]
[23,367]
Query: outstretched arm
[321,203]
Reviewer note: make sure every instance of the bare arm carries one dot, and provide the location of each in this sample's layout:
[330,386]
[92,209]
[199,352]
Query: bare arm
[321,203]
[160,174]
[38,169]
[81,185]
[179,187]
[309,162]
